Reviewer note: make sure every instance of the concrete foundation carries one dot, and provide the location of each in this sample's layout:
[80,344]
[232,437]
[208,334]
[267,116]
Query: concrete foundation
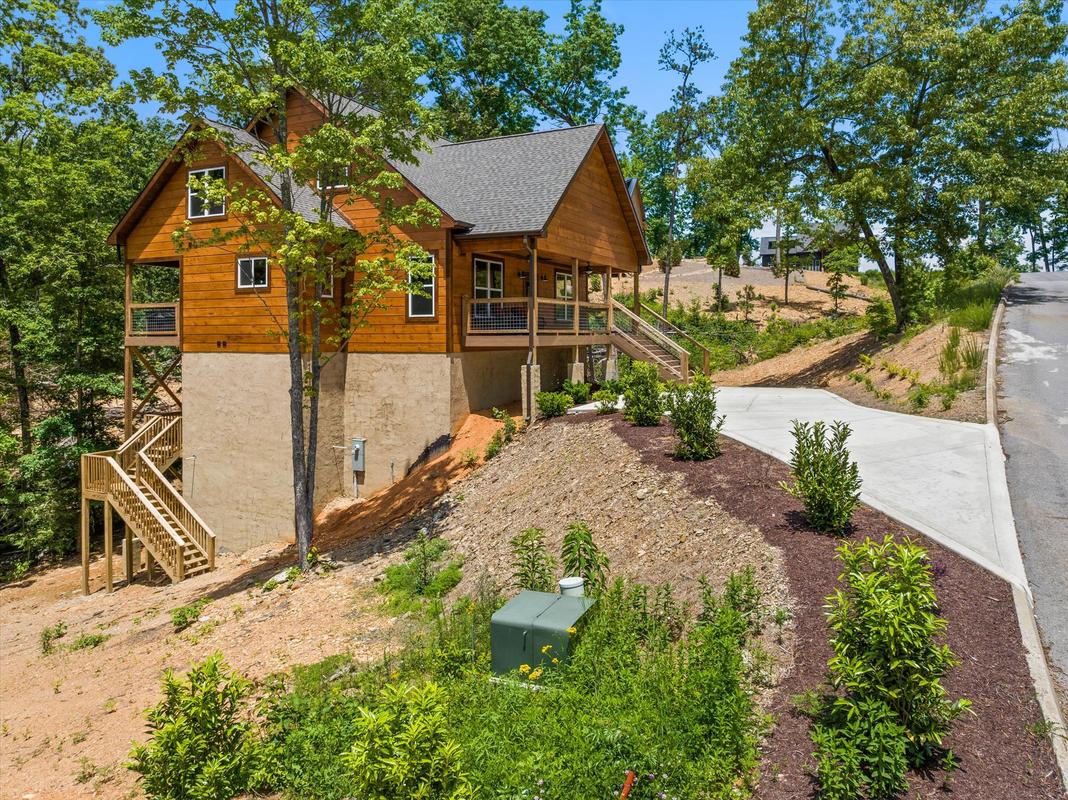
[577,372]
[529,375]
[237,443]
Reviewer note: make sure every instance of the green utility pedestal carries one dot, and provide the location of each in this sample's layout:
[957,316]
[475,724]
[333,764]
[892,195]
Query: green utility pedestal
[528,622]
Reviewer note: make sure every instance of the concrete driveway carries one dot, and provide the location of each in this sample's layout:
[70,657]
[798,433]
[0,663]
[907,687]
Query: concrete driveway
[1034,410]
[945,479]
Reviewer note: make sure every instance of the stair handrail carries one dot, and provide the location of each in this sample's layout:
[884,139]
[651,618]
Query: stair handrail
[647,353]
[126,454]
[676,330]
[651,331]
[188,520]
[171,546]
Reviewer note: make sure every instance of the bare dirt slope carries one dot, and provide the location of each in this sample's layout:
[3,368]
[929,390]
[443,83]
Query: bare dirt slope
[828,365]
[693,280]
[69,717]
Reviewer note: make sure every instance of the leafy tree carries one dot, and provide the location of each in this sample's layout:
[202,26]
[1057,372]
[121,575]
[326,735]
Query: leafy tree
[494,68]
[660,152]
[242,66]
[914,119]
[72,156]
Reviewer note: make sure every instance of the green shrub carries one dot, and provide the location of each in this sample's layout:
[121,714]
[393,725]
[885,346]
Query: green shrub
[49,636]
[826,480]
[184,616]
[581,557]
[606,401]
[974,317]
[693,416]
[469,457]
[890,711]
[532,566]
[87,641]
[579,391]
[200,746]
[494,446]
[508,425]
[403,748]
[643,403]
[421,575]
[920,396]
[880,318]
[553,404]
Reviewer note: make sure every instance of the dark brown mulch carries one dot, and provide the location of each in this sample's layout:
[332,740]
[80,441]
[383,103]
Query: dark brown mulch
[1001,759]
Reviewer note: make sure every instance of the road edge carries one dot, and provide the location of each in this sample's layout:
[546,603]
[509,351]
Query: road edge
[1035,653]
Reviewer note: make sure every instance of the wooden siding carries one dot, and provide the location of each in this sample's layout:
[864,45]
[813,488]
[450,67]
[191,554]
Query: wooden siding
[589,222]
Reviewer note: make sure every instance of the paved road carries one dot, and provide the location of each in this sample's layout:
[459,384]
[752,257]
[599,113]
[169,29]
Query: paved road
[946,479]
[1034,406]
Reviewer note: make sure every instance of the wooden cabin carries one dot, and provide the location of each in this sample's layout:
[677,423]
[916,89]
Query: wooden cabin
[526,222]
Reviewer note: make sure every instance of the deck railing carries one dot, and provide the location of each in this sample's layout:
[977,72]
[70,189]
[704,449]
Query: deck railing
[509,315]
[152,319]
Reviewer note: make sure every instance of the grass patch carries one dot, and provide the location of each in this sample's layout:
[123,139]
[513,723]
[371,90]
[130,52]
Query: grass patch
[184,616]
[87,641]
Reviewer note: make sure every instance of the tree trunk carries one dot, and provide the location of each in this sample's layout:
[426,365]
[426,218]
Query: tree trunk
[719,291]
[18,367]
[874,248]
[1045,247]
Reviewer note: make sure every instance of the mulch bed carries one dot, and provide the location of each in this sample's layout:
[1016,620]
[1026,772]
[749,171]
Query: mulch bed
[1001,758]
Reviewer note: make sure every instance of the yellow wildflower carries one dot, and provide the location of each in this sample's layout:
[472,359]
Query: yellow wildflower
[535,674]
[546,649]
[524,669]
[556,660]
[572,631]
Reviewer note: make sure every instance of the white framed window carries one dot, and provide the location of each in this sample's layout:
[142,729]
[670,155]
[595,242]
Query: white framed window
[333,180]
[565,290]
[252,272]
[488,283]
[198,207]
[420,305]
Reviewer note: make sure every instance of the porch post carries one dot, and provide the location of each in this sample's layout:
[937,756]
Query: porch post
[575,300]
[85,544]
[127,360]
[611,371]
[108,547]
[637,292]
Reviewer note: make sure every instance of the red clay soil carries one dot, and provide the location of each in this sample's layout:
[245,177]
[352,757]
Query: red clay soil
[1001,757]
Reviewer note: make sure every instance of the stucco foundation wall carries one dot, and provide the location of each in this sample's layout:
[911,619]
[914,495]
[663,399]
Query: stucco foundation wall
[483,380]
[236,468]
[554,363]
[400,403]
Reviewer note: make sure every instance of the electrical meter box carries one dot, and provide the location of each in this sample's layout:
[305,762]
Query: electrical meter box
[530,621]
[359,450]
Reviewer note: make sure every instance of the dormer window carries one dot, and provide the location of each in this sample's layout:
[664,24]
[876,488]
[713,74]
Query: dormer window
[333,180]
[199,207]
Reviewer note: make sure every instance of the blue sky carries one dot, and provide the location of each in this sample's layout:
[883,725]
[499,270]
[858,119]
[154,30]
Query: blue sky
[646,23]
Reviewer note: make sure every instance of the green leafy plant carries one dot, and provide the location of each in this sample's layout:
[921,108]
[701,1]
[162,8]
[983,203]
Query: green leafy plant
[920,396]
[423,575]
[201,747]
[880,318]
[746,297]
[508,425]
[826,480]
[184,616]
[581,557]
[469,457]
[404,748]
[692,409]
[643,403]
[971,354]
[532,566]
[974,317]
[49,636]
[579,391]
[606,401]
[890,711]
[553,404]
[87,641]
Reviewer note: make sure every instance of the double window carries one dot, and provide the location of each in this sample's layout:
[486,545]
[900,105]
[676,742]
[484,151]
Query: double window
[422,305]
[199,206]
[252,273]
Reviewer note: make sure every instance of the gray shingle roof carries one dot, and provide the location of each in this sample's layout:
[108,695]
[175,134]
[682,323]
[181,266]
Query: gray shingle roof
[244,145]
[508,184]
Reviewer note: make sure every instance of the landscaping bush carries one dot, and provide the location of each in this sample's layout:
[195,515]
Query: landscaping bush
[580,392]
[880,318]
[532,566]
[200,746]
[184,616]
[974,317]
[403,748]
[582,557]
[606,401]
[421,575]
[553,404]
[693,416]
[643,403]
[826,480]
[890,711]
[49,636]
[503,436]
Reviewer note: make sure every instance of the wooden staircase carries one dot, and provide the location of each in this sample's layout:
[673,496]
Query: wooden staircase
[132,481]
[657,344]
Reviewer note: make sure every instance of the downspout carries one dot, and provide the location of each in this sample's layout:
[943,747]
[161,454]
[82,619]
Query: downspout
[532,309]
